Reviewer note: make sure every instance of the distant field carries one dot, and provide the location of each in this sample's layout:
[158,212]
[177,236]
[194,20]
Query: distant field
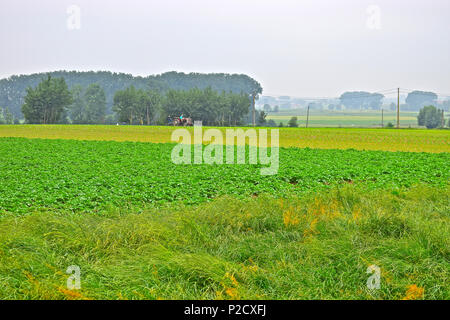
[416,140]
[366,119]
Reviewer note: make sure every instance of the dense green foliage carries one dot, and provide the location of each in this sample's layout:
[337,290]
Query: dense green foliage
[91,175]
[430,117]
[210,106]
[47,102]
[13,89]
[137,106]
[318,246]
[89,106]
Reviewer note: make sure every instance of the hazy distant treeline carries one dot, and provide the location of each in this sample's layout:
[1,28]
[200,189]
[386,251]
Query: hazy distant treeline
[356,100]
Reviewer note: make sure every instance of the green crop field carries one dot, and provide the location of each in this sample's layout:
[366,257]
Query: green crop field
[91,175]
[141,227]
[348,118]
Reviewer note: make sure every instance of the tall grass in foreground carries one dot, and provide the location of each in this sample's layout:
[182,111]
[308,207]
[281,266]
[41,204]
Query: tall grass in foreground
[315,247]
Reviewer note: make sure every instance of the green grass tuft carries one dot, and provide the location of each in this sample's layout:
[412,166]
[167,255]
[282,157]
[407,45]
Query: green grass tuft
[313,246]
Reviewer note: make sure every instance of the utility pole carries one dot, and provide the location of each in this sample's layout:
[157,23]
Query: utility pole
[398,108]
[443,119]
[253,109]
[307,117]
[382,117]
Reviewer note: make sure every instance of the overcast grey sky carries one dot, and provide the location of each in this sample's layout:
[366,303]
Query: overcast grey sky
[300,48]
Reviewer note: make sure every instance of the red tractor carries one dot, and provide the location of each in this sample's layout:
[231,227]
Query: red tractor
[181,122]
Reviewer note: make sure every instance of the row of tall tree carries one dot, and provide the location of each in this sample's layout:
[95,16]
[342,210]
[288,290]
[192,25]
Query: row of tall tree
[137,106]
[14,89]
[211,107]
[52,102]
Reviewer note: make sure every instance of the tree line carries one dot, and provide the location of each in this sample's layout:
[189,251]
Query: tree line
[14,89]
[362,100]
[415,100]
[51,102]
[212,107]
